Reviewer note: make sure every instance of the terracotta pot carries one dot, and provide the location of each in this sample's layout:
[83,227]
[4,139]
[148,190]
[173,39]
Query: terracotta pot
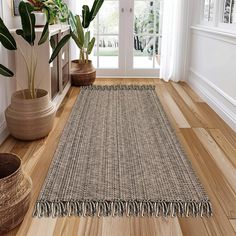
[15,188]
[40,18]
[30,119]
[82,74]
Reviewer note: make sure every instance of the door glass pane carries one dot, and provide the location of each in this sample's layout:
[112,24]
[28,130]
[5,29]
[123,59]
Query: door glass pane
[108,18]
[143,17]
[143,51]
[147,30]
[106,29]
[108,51]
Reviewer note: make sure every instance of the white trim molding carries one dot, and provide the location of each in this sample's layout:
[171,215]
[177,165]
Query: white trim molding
[220,102]
[215,33]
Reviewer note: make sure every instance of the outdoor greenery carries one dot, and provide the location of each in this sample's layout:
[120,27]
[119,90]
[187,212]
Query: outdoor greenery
[145,24]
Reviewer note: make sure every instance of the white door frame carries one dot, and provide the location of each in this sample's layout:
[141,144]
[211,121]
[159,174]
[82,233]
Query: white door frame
[126,48]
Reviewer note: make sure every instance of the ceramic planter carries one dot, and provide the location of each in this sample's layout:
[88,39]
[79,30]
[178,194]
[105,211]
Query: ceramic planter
[40,18]
[15,188]
[30,119]
[82,74]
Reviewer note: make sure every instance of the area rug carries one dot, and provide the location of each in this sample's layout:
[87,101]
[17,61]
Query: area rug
[118,155]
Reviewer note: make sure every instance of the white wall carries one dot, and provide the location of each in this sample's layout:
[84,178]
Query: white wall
[212,68]
[7,85]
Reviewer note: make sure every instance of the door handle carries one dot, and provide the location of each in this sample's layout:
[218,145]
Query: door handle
[130,10]
[122,10]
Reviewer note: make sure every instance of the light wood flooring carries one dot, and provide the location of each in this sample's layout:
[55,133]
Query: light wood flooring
[211,148]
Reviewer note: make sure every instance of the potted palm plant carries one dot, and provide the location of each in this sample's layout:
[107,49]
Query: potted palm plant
[82,73]
[31,113]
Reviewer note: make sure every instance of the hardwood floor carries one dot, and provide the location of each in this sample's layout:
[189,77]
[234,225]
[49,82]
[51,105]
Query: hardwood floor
[208,141]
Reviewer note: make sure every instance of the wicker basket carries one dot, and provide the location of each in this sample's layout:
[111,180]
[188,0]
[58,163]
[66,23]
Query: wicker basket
[15,188]
[82,74]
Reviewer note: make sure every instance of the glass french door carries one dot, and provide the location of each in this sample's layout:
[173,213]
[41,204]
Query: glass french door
[128,38]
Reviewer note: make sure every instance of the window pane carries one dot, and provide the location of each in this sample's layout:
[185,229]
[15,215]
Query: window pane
[208,10]
[227,9]
[108,51]
[233,12]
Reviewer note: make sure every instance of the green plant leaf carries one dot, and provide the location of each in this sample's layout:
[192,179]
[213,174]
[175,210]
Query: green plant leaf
[72,22]
[44,35]
[6,38]
[86,39]
[95,8]
[52,43]
[5,71]
[27,21]
[77,41]
[85,16]
[59,46]
[90,46]
[80,30]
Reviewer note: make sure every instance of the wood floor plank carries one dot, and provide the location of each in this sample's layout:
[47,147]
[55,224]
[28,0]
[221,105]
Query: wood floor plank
[185,111]
[172,107]
[90,226]
[233,223]
[218,123]
[214,177]
[224,144]
[8,145]
[218,224]
[190,92]
[66,226]
[117,226]
[193,227]
[192,105]
[42,226]
[188,113]
[145,226]
[218,156]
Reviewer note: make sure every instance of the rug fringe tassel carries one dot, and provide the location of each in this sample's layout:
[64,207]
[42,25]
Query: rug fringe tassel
[121,208]
[118,87]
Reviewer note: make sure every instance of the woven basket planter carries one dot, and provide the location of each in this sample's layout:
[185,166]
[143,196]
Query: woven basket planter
[30,119]
[82,74]
[15,188]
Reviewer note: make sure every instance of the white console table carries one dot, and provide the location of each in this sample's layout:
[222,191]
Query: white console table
[54,77]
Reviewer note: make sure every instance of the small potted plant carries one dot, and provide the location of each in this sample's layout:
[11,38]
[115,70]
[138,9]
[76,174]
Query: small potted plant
[57,11]
[83,73]
[39,12]
[31,113]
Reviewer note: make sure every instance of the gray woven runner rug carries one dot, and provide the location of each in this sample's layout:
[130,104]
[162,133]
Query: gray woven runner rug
[118,155]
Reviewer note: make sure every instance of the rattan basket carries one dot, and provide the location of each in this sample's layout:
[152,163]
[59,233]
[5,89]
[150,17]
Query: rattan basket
[15,188]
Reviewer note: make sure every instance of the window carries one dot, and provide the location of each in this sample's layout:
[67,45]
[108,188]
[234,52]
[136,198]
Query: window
[229,12]
[208,10]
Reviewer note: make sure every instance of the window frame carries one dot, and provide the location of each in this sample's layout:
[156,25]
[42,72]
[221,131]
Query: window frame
[218,17]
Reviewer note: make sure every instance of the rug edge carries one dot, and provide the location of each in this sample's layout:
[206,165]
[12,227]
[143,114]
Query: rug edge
[119,87]
[122,208]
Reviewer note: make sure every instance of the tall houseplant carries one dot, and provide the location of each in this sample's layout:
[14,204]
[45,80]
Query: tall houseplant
[83,72]
[31,113]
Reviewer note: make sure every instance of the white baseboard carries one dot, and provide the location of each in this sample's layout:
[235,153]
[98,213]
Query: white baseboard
[3,132]
[220,102]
